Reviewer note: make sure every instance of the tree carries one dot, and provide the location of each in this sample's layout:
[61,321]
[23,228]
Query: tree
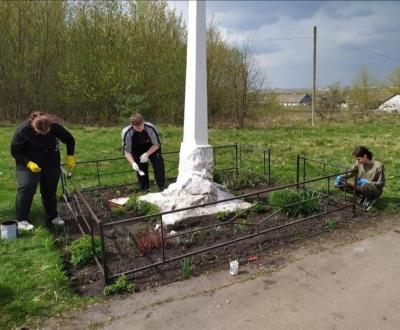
[362,95]
[394,80]
[246,82]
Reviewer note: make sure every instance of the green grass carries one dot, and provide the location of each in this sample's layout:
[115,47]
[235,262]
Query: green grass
[32,281]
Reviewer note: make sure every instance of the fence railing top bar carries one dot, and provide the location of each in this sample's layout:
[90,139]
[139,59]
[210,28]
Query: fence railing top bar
[92,213]
[228,199]
[255,148]
[322,162]
[122,157]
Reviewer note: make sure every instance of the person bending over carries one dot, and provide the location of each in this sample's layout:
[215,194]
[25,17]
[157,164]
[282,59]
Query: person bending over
[141,142]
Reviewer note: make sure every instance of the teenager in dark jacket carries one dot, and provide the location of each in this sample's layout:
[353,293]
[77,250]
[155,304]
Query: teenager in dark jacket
[140,142]
[35,147]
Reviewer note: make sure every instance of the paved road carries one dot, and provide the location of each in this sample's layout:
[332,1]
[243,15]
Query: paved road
[352,286]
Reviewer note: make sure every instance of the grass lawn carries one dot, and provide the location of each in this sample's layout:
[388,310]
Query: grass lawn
[32,281]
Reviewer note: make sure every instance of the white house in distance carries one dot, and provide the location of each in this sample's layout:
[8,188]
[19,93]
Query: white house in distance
[392,104]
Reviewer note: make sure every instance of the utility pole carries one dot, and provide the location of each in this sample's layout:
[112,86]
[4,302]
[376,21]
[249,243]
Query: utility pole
[314,77]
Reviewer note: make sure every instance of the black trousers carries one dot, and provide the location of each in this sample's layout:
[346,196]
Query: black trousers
[158,167]
[27,183]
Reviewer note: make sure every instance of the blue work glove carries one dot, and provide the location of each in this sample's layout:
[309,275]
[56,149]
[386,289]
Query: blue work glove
[361,182]
[339,180]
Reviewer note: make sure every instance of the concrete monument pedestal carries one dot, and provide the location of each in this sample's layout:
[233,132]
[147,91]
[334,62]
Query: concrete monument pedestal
[194,186]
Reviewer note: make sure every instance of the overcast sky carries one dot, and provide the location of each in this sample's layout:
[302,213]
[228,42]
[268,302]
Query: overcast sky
[350,34]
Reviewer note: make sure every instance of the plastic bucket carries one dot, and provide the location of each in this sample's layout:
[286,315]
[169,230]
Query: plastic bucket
[9,230]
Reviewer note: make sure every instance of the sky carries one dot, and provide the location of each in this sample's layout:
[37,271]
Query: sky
[350,35]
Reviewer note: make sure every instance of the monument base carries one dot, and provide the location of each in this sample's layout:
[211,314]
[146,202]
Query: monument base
[194,186]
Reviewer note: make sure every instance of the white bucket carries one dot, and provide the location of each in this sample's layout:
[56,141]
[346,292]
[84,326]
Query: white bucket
[9,230]
[234,267]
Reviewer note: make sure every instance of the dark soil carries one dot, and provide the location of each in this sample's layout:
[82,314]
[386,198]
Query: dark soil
[137,244]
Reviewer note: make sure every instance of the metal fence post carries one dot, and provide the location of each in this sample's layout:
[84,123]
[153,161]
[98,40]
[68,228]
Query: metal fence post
[103,253]
[98,173]
[269,166]
[162,239]
[355,191]
[298,172]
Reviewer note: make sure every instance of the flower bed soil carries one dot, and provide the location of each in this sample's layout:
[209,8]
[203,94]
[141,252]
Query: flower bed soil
[125,249]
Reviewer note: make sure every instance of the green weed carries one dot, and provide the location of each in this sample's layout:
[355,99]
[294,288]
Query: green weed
[186,266]
[145,208]
[259,208]
[82,250]
[287,197]
[120,286]
[241,228]
[331,224]
[222,215]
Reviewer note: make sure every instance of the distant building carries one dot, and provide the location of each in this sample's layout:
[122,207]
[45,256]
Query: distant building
[294,100]
[392,104]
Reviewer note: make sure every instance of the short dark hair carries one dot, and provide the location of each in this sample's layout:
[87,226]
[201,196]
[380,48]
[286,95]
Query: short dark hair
[360,151]
[137,119]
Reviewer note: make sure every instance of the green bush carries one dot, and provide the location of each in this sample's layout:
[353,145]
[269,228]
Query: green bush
[120,286]
[82,250]
[285,197]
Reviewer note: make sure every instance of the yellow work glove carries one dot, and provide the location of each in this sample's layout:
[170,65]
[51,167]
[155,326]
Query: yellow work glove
[70,162]
[33,167]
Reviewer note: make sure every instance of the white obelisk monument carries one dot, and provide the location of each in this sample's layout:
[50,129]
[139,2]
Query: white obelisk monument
[194,185]
[196,156]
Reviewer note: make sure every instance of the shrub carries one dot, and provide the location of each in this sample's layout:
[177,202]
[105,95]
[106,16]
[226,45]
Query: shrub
[308,206]
[285,197]
[186,268]
[82,250]
[120,286]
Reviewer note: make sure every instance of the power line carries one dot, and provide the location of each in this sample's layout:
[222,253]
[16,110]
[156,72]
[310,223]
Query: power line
[393,58]
[278,39]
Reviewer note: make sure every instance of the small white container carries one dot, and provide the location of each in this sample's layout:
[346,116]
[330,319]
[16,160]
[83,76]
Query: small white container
[9,230]
[234,267]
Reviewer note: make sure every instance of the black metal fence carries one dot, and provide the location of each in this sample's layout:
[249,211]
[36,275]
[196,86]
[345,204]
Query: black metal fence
[88,221]
[116,171]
